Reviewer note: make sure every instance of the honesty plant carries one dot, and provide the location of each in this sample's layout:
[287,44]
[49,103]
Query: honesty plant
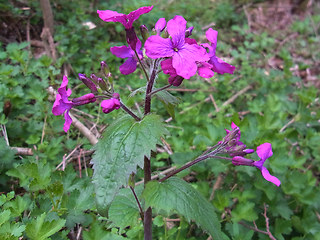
[127,143]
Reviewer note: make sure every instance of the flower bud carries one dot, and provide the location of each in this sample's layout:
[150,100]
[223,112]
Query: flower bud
[233,134]
[189,32]
[144,32]
[102,84]
[132,38]
[105,69]
[94,78]
[88,98]
[88,82]
[242,161]
[175,80]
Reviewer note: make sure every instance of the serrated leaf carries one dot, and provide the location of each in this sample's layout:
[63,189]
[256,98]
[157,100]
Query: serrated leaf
[4,216]
[176,196]
[96,232]
[169,101]
[124,209]
[120,151]
[39,229]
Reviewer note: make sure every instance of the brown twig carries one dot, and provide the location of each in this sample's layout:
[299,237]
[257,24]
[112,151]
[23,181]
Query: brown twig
[216,186]
[23,151]
[234,97]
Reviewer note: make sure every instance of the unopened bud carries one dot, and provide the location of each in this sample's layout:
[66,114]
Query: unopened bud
[131,180]
[88,82]
[248,151]
[144,32]
[94,78]
[88,98]
[132,38]
[102,84]
[116,95]
[189,32]
[105,69]
[232,135]
[242,161]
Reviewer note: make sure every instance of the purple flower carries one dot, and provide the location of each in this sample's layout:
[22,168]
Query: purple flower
[111,104]
[264,151]
[130,65]
[218,65]
[184,55]
[63,105]
[126,19]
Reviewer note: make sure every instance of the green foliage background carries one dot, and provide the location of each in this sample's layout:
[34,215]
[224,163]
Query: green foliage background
[39,202]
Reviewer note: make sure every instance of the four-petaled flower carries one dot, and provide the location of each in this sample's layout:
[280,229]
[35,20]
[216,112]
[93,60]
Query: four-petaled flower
[130,65]
[264,151]
[126,19]
[218,65]
[184,55]
[63,105]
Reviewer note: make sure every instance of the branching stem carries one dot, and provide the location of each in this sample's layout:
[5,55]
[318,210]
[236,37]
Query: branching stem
[138,202]
[160,89]
[125,108]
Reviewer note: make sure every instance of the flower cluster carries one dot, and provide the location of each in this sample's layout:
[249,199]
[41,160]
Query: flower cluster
[99,89]
[181,57]
[237,150]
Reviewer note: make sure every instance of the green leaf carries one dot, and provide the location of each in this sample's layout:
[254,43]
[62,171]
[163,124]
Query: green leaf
[98,233]
[39,229]
[169,101]
[124,209]
[4,216]
[120,151]
[176,196]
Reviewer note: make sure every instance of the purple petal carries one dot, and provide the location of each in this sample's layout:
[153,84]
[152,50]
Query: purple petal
[109,105]
[267,176]
[134,15]
[68,121]
[184,61]
[234,126]
[176,28]
[160,25]
[204,70]
[157,47]
[62,90]
[112,16]
[122,52]
[264,151]
[190,41]
[212,36]
[167,67]
[129,66]
[61,107]
[221,67]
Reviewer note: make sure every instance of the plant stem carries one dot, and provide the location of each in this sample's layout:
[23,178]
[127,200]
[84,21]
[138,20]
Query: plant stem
[147,103]
[142,66]
[148,212]
[198,159]
[160,89]
[139,205]
[125,108]
[202,157]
